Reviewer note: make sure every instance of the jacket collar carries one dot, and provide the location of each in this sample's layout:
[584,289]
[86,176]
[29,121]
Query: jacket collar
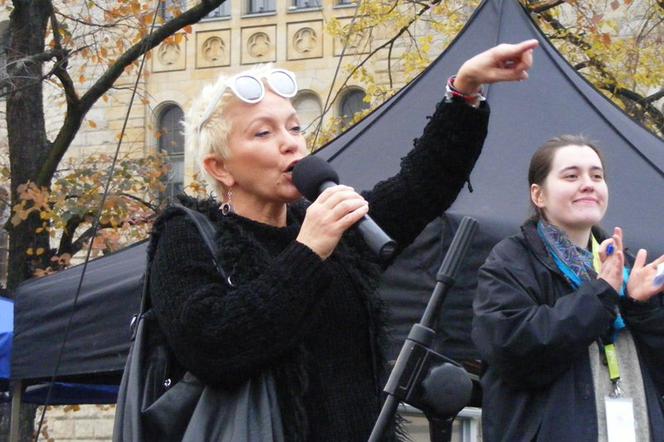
[538,248]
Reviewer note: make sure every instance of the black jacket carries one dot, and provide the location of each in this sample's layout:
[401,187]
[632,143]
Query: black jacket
[533,330]
[315,324]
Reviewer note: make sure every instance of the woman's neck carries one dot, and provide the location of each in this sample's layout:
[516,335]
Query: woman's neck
[273,215]
[578,237]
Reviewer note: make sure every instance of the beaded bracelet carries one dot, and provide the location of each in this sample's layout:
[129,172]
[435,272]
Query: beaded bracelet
[452,93]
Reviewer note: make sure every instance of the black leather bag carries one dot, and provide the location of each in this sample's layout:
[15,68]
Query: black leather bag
[157,402]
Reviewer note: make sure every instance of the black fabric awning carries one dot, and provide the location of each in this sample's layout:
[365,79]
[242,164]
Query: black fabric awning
[98,338]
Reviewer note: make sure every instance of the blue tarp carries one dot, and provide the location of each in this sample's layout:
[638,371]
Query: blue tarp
[66,394]
[6,336]
[62,393]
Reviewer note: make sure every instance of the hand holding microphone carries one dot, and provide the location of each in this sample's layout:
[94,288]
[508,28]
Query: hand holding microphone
[331,214]
[335,208]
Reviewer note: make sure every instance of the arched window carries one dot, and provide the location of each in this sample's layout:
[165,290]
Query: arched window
[351,103]
[171,142]
[308,108]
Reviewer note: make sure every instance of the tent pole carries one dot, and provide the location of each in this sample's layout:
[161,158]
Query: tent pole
[14,422]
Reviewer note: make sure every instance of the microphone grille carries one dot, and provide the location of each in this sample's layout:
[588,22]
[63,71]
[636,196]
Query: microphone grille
[309,173]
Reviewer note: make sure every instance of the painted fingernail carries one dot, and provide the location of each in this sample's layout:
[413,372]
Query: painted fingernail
[609,250]
[659,277]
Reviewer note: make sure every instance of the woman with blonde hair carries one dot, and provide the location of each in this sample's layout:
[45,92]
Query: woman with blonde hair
[299,300]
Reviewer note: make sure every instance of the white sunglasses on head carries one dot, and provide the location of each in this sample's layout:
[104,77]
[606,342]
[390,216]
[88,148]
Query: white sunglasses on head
[250,89]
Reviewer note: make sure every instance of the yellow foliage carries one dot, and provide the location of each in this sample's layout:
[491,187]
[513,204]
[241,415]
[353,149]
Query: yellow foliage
[617,43]
[410,34]
[75,194]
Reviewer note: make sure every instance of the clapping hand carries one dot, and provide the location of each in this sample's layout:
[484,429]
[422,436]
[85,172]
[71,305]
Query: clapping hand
[641,285]
[613,259]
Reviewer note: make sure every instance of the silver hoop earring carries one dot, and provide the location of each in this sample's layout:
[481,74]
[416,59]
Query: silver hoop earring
[227,206]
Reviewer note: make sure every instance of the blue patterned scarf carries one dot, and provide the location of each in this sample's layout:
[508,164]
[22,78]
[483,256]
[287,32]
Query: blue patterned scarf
[576,263]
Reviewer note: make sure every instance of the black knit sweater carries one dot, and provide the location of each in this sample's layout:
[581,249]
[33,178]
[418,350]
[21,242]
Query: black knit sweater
[316,324]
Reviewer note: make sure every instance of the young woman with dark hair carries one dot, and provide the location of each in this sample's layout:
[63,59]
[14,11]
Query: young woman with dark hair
[570,328]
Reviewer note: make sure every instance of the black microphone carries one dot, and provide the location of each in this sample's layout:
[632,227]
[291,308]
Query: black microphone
[312,175]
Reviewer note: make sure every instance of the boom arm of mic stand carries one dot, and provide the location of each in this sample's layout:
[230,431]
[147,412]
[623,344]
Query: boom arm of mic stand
[419,369]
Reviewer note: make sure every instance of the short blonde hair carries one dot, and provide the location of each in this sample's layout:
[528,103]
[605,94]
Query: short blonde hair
[208,134]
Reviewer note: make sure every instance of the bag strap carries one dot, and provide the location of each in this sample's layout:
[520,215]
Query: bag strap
[208,232]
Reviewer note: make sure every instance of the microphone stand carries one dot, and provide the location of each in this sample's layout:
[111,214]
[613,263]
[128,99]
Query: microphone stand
[421,377]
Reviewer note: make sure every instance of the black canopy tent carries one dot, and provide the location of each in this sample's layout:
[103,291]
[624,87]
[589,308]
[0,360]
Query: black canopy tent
[555,100]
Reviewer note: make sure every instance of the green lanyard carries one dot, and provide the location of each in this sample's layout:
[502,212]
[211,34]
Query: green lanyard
[609,352]
[611,358]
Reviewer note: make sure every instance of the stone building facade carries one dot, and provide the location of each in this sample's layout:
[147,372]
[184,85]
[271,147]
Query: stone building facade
[289,33]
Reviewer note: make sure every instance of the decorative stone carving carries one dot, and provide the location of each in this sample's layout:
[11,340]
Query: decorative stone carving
[170,57]
[168,54]
[259,44]
[305,40]
[213,48]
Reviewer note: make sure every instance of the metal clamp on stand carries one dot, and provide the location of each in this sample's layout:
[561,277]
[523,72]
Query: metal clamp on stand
[421,377]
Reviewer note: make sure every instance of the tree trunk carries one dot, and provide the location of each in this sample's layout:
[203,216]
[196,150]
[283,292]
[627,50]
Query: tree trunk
[28,146]
[26,422]
[26,131]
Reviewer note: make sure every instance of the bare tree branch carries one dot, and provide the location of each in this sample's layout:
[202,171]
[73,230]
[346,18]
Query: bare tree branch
[610,82]
[36,58]
[644,103]
[140,200]
[545,5]
[84,237]
[7,83]
[388,43]
[60,68]
[110,25]
[581,65]
[74,115]
[389,65]
[654,97]
[67,237]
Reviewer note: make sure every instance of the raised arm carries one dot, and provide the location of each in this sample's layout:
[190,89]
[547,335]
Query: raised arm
[434,171]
